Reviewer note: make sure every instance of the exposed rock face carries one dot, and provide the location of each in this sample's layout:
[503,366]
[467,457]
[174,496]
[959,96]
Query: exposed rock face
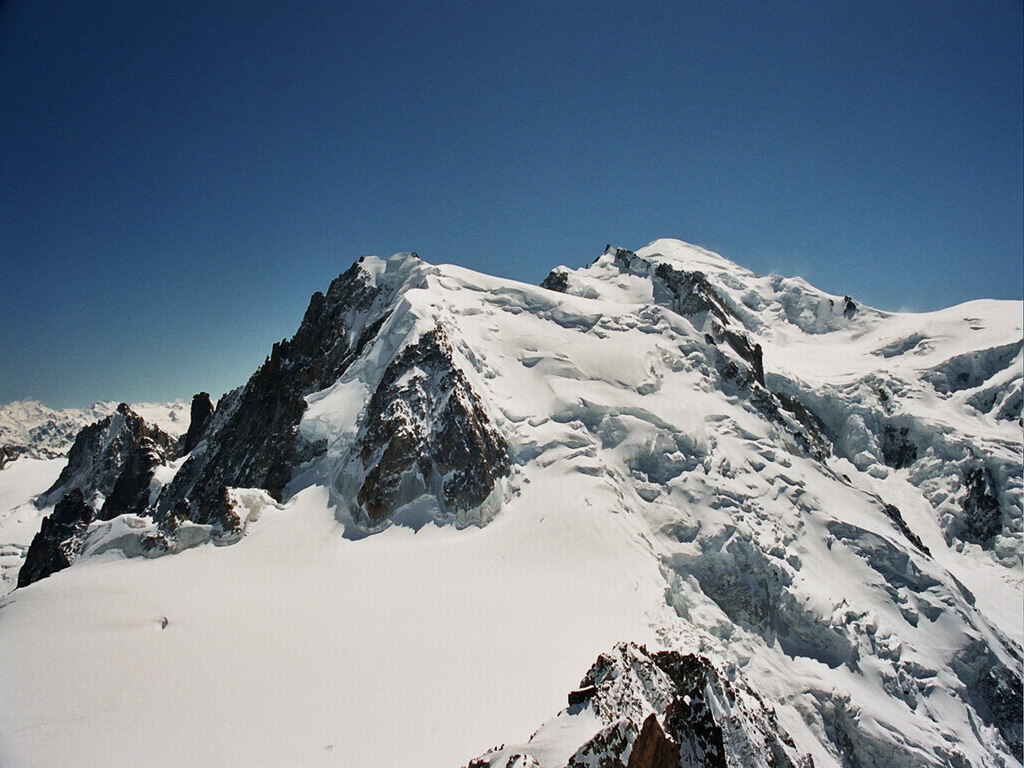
[688,293]
[10,453]
[1003,696]
[750,352]
[109,473]
[897,449]
[691,293]
[59,540]
[253,439]
[623,257]
[652,748]
[112,463]
[427,431]
[807,431]
[982,519]
[201,412]
[996,692]
[664,710]
[894,514]
[557,280]
[849,307]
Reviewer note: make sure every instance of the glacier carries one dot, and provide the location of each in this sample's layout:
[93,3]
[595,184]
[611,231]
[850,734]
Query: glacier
[788,527]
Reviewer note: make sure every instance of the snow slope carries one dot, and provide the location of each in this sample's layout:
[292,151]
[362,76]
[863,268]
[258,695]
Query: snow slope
[20,482]
[714,465]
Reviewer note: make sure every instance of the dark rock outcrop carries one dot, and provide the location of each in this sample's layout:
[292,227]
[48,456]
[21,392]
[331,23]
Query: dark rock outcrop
[897,449]
[849,307]
[59,540]
[253,439]
[894,514]
[109,473]
[624,258]
[112,463]
[9,453]
[817,437]
[199,419]
[752,353]
[557,280]
[1001,698]
[668,709]
[652,748]
[982,517]
[687,293]
[808,431]
[691,293]
[995,691]
[426,430]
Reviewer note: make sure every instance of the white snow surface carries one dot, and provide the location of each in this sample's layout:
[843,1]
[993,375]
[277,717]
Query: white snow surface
[20,482]
[649,501]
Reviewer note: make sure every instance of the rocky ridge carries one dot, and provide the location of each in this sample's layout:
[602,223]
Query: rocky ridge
[33,430]
[638,709]
[424,430]
[109,473]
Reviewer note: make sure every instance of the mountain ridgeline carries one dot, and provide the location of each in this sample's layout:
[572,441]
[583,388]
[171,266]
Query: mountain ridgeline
[824,485]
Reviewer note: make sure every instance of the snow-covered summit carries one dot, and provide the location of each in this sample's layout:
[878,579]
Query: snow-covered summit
[467,489]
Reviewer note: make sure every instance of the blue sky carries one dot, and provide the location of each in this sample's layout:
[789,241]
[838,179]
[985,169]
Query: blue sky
[177,178]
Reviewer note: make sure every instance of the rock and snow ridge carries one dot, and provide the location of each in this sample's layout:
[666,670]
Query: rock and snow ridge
[34,442]
[809,498]
[29,428]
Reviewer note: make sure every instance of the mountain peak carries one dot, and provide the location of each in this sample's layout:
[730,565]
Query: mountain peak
[685,255]
[775,489]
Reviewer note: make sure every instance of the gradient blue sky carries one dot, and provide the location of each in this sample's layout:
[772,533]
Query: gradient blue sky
[176,178]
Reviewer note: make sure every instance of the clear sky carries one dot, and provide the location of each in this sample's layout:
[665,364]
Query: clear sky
[177,177]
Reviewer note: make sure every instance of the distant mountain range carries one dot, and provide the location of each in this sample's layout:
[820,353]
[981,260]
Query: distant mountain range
[29,428]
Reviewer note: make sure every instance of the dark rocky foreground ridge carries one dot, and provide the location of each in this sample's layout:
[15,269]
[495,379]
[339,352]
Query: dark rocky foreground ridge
[663,710]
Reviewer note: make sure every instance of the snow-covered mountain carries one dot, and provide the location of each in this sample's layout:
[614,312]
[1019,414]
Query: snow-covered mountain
[34,441]
[29,428]
[777,526]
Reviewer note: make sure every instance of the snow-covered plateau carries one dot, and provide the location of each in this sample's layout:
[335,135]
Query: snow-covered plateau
[659,511]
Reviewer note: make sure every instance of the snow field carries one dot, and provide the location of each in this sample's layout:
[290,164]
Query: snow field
[299,647]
